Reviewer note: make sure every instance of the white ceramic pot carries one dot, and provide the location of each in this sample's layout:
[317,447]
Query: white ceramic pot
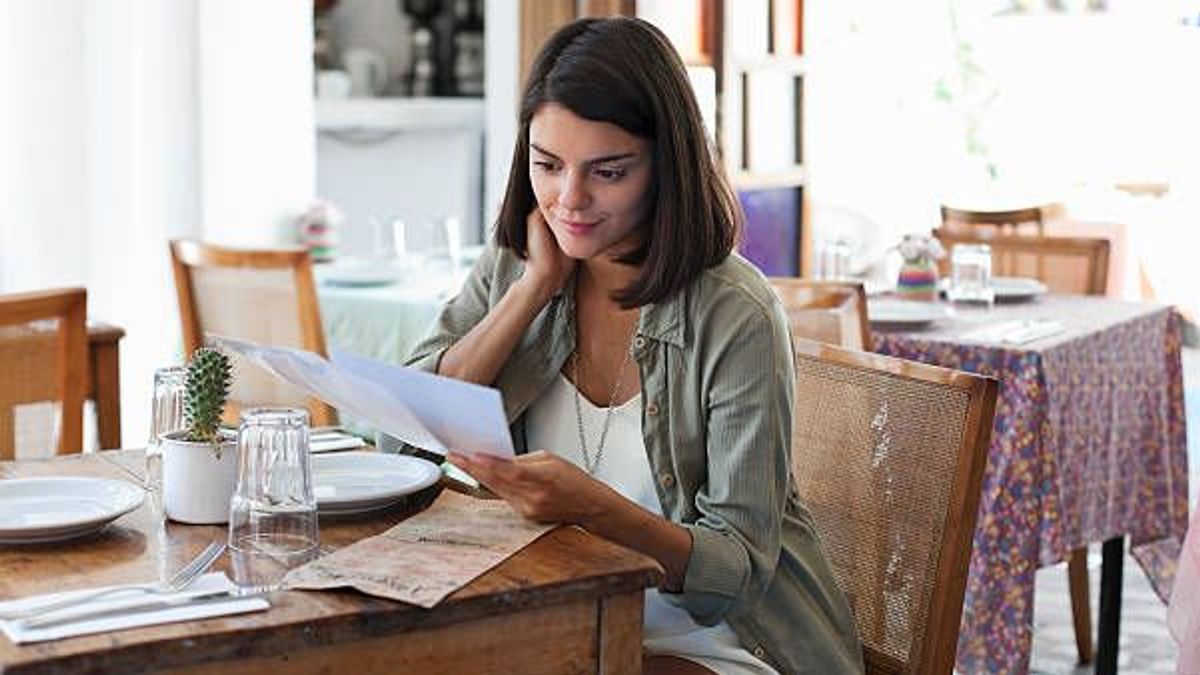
[197,480]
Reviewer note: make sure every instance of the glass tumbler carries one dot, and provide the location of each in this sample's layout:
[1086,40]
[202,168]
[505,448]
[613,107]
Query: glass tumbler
[166,415]
[273,512]
[971,274]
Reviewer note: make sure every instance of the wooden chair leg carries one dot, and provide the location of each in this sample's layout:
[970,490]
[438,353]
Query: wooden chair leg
[1077,574]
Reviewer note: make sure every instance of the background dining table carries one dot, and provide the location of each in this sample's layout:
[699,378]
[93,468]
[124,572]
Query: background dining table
[1088,445]
[567,603]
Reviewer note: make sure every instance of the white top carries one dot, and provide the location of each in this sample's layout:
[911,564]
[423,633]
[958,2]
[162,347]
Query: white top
[551,425]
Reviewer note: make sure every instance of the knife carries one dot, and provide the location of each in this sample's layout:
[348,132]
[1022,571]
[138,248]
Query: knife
[76,614]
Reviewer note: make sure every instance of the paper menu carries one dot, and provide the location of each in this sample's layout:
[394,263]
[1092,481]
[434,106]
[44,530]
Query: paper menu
[428,556]
[425,410]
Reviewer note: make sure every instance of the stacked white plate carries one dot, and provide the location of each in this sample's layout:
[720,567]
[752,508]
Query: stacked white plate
[1017,288]
[357,482]
[905,313]
[35,510]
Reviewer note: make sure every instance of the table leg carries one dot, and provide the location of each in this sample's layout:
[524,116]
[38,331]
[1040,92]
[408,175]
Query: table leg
[1110,606]
[108,394]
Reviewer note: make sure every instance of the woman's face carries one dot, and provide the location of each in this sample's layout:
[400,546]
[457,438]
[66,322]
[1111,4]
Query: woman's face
[591,181]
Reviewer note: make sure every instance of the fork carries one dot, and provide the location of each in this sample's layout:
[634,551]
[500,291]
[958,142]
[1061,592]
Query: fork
[181,580]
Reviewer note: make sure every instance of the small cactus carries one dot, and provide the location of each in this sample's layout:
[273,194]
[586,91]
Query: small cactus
[209,376]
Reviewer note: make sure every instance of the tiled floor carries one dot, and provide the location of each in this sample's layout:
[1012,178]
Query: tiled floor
[1145,647]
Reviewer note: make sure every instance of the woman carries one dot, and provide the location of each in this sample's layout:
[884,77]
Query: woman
[646,368]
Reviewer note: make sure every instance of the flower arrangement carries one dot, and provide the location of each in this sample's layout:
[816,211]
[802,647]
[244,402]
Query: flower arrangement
[918,275]
[206,388]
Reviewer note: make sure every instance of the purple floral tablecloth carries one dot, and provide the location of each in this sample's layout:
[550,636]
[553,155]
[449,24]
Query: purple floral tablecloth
[1088,443]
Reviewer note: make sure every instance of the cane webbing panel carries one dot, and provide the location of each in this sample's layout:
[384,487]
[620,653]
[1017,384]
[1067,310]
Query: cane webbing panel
[261,305]
[29,413]
[875,456]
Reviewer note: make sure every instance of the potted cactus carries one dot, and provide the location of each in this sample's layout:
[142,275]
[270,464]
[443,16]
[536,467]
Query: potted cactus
[200,461]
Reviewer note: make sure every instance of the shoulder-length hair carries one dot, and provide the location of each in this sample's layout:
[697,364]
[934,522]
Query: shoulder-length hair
[624,71]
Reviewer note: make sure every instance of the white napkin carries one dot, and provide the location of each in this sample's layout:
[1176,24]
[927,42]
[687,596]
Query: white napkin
[213,582]
[330,441]
[1017,332]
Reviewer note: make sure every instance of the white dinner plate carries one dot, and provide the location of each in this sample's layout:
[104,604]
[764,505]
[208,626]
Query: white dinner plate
[1017,288]
[350,272]
[354,482]
[34,510]
[910,313]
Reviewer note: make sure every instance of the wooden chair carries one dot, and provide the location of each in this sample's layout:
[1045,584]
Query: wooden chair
[832,312]
[888,456]
[1065,264]
[23,336]
[267,296]
[1025,220]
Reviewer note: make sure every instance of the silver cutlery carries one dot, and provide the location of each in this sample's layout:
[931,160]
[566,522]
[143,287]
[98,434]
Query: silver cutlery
[181,580]
[61,617]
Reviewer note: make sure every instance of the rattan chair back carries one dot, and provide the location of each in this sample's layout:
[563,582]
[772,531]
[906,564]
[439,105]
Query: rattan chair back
[1072,265]
[266,296]
[41,332]
[888,456]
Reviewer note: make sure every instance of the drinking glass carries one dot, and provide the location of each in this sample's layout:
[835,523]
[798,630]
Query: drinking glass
[166,415]
[833,260]
[971,274]
[273,512]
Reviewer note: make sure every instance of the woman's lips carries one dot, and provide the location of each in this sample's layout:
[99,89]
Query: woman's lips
[578,227]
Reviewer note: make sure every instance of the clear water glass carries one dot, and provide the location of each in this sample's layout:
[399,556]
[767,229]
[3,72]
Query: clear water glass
[166,415]
[833,260]
[971,274]
[273,512]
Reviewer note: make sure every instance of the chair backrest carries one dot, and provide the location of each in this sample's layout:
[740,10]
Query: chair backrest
[41,332]
[833,312]
[1076,265]
[888,456]
[1026,220]
[267,296]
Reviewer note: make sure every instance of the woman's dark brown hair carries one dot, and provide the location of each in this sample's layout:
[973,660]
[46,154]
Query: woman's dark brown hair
[624,71]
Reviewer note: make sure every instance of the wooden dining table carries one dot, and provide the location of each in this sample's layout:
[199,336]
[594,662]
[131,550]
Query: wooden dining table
[1088,445]
[568,603]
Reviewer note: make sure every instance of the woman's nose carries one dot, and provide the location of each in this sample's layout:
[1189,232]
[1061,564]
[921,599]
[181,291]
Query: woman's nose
[572,193]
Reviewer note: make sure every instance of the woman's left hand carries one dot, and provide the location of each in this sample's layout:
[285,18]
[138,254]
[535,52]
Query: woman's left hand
[541,486]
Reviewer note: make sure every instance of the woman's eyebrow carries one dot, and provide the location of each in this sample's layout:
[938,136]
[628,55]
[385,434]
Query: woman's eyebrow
[596,160]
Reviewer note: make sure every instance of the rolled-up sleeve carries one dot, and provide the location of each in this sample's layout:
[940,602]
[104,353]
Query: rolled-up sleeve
[748,393]
[458,316]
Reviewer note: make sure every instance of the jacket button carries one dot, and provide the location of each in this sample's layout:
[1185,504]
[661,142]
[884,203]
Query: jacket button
[667,480]
[652,409]
[759,652]
[639,342]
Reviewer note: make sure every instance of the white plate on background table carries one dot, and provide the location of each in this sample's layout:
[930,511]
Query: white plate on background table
[357,272]
[35,510]
[907,313]
[1017,288]
[354,482]
[1009,289]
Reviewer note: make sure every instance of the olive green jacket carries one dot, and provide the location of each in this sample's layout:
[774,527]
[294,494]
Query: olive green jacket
[717,391]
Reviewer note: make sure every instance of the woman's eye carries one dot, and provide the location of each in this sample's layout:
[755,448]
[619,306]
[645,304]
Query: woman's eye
[544,165]
[610,174]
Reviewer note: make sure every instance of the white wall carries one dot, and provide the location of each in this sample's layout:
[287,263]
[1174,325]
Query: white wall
[502,88]
[106,151]
[42,106]
[257,153]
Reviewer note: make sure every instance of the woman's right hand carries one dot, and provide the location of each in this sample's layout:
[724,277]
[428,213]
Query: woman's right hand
[547,267]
